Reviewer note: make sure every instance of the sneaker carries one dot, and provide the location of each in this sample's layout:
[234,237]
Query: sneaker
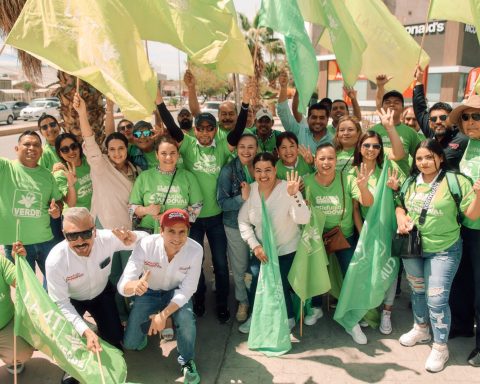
[386,322]
[358,335]
[11,368]
[190,374]
[437,358]
[363,324]
[245,327]
[291,323]
[474,358]
[242,312]
[312,318]
[67,379]
[416,335]
[223,314]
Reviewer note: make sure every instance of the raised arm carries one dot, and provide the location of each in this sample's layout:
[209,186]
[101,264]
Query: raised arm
[109,119]
[381,80]
[297,115]
[420,107]
[285,114]
[172,127]
[352,94]
[398,152]
[234,136]
[80,107]
[189,80]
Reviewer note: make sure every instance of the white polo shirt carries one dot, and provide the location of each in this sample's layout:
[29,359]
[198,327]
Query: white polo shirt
[181,274]
[70,276]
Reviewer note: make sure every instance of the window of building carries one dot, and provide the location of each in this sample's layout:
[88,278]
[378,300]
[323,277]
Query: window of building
[434,86]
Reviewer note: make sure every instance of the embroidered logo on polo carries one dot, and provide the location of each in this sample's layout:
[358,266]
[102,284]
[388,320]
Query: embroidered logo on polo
[27,203]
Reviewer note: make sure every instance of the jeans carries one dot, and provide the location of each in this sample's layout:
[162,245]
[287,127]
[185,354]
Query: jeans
[430,279]
[35,253]
[150,303]
[213,228]
[238,255]
[285,263]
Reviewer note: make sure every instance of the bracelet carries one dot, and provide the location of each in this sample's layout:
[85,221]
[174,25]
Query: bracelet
[244,108]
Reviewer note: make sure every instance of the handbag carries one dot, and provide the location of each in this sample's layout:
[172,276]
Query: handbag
[409,246]
[334,240]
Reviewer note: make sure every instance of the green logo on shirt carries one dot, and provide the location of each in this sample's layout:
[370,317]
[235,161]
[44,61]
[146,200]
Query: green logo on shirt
[207,164]
[27,203]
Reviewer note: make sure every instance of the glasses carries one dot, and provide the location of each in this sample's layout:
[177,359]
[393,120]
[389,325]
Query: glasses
[374,146]
[139,134]
[44,127]
[474,116]
[125,127]
[72,147]
[85,235]
[208,128]
[433,119]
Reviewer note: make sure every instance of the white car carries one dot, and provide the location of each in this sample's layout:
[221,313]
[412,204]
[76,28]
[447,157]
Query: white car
[38,107]
[211,107]
[6,114]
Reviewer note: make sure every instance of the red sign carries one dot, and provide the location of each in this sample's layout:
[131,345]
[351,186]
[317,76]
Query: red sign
[408,93]
[473,76]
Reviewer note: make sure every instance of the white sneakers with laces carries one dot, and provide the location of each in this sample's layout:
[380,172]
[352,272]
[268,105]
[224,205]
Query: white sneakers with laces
[417,335]
[386,322]
[438,357]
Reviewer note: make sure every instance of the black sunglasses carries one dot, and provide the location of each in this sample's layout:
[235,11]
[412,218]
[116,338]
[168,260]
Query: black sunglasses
[85,235]
[44,127]
[474,116]
[125,127]
[433,119]
[208,128]
[67,148]
[139,134]
[374,146]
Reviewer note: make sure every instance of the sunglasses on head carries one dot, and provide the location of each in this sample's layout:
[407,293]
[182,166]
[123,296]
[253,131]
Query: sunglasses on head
[474,116]
[125,127]
[374,146]
[139,134]
[44,127]
[433,119]
[85,235]
[71,147]
[208,128]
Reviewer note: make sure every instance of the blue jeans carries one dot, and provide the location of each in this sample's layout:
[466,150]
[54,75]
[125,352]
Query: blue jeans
[213,228]
[430,279]
[35,253]
[150,303]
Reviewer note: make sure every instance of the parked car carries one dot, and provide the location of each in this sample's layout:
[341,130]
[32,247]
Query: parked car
[38,107]
[211,107]
[16,107]
[6,114]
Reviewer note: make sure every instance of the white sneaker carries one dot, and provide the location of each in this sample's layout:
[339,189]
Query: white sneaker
[363,324]
[416,335]
[437,358]
[245,327]
[386,322]
[291,323]
[358,335]
[317,313]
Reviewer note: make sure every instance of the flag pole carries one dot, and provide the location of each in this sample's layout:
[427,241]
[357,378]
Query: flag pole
[424,32]
[78,85]
[301,317]
[15,374]
[100,367]
[3,47]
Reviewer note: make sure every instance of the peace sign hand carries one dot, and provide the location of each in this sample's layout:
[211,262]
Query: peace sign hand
[362,176]
[386,118]
[393,182]
[71,174]
[293,183]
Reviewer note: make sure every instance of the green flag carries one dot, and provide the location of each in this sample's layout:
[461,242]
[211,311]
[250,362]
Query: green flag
[372,269]
[283,16]
[345,38]
[206,30]
[96,41]
[39,321]
[269,331]
[308,275]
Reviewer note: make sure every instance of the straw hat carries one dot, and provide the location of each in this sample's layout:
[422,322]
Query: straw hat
[472,102]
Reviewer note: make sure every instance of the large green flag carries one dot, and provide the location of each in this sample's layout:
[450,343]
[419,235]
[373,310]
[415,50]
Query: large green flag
[206,30]
[372,269]
[269,331]
[345,38]
[39,321]
[96,41]
[308,275]
[283,16]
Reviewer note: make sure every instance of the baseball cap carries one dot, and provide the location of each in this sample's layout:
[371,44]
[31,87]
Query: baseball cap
[205,116]
[396,94]
[174,216]
[262,113]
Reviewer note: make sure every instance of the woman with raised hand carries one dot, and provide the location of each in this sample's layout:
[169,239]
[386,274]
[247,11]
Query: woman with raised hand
[287,210]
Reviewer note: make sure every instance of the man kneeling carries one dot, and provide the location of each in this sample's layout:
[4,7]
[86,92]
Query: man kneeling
[170,265]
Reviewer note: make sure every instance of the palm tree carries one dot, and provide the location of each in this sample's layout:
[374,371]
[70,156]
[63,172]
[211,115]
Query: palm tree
[32,68]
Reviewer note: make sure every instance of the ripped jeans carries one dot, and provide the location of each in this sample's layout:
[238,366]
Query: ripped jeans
[433,274]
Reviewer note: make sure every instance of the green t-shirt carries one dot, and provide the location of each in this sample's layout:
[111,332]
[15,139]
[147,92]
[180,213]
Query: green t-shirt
[344,160]
[421,136]
[49,157]
[301,166]
[441,229]
[7,277]
[470,166]
[83,186]
[151,158]
[205,163]
[331,129]
[25,194]
[151,186]
[330,201]
[409,138]
[268,145]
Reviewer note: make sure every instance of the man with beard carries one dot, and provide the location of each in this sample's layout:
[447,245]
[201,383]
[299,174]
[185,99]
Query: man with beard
[434,123]
[311,133]
[267,137]
[185,121]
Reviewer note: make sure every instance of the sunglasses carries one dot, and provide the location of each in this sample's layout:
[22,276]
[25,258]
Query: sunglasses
[433,119]
[208,128]
[139,134]
[85,235]
[44,127]
[125,127]
[474,116]
[67,148]
[374,146]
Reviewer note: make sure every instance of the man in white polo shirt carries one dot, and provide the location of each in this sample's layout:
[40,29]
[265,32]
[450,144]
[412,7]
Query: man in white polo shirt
[170,265]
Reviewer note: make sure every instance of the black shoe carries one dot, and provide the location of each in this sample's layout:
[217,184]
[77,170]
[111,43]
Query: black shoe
[67,379]
[474,358]
[223,314]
